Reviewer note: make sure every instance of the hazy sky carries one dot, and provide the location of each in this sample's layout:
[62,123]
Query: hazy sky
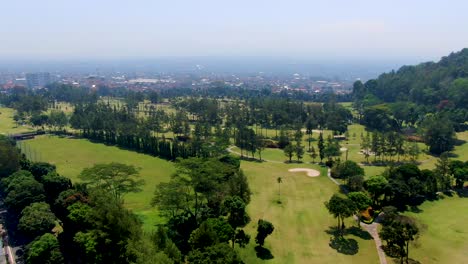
[347,29]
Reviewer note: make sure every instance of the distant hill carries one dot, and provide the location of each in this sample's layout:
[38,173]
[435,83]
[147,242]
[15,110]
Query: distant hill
[433,84]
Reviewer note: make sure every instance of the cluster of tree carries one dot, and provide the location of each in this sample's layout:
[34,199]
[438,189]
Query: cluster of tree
[350,172]
[399,187]
[398,231]
[24,101]
[386,146]
[85,223]
[205,203]
[429,95]
[407,185]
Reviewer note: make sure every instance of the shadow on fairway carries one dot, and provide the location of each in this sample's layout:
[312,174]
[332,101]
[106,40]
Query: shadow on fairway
[343,245]
[263,253]
[347,246]
[361,233]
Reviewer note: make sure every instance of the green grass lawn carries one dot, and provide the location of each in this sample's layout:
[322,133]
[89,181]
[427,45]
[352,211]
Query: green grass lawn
[300,221]
[8,125]
[71,156]
[444,238]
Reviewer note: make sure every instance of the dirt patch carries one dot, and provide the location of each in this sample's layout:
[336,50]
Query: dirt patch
[310,172]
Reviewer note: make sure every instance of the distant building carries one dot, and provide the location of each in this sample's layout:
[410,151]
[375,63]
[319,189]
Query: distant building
[38,80]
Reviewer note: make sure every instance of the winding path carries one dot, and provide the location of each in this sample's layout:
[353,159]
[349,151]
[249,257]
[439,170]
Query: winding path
[372,229]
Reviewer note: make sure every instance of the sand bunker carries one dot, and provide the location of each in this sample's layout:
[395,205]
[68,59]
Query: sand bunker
[310,172]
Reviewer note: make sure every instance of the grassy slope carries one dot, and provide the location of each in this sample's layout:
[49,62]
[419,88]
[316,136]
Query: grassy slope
[72,155]
[444,236]
[7,125]
[300,221]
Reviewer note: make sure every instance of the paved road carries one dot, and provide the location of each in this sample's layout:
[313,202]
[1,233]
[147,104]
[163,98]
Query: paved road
[372,229]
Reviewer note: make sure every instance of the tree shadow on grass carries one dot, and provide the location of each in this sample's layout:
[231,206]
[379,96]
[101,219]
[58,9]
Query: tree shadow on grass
[347,246]
[361,233]
[252,159]
[263,253]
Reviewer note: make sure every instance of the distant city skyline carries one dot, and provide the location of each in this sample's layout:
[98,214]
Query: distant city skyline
[321,30]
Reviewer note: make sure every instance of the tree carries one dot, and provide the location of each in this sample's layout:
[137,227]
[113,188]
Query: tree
[321,147]
[241,238]
[237,216]
[54,184]
[21,190]
[44,250]
[219,254]
[332,148]
[279,180]
[113,227]
[36,219]
[9,157]
[313,154]
[202,237]
[413,151]
[438,134]
[459,170]
[117,178]
[299,150]
[361,202]
[40,169]
[346,170]
[379,118]
[355,183]
[443,171]
[376,185]
[289,151]
[57,119]
[400,232]
[310,125]
[340,208]
[264,229]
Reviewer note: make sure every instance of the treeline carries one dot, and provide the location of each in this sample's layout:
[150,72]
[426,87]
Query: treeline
[389,147]
[125,128]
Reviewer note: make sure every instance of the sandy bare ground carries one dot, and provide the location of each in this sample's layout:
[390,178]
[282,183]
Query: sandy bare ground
[310,172]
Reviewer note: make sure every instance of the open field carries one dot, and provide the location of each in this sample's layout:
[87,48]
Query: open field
[8,125]
[73,155]
[300,221]
[444,238]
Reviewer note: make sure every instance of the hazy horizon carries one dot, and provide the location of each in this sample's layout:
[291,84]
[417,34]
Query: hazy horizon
[362,30]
